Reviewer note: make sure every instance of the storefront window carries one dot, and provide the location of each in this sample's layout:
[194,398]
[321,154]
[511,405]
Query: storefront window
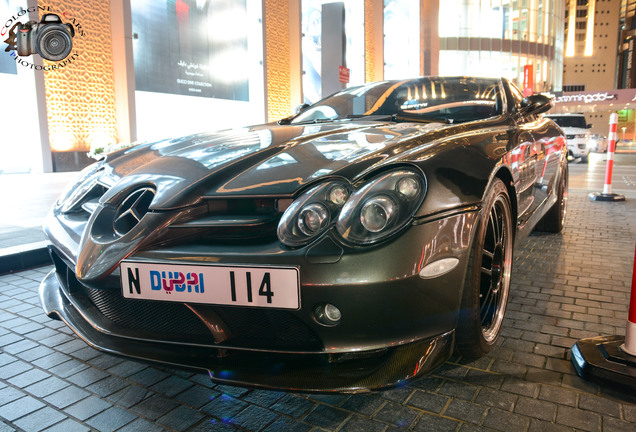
[466,24]
[198,65]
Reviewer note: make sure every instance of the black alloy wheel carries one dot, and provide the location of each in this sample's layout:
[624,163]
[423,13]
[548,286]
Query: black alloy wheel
[488,275]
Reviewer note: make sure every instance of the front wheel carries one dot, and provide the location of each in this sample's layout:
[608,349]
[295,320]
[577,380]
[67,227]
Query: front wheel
[487,280]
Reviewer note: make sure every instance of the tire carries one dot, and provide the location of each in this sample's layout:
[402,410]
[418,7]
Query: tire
[487,282]
[554,219]
[584,159]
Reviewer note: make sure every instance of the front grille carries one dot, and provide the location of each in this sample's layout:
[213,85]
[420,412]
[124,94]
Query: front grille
[228,220]
[581,146]
[262,233]
[268,329]
[248,328]
[171,319]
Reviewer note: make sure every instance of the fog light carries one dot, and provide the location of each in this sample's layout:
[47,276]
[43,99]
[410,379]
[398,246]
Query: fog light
[332,313]
[327,314]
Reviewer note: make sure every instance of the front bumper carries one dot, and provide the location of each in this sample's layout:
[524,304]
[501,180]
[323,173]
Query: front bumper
[578,147]
[358,372]
[395,324]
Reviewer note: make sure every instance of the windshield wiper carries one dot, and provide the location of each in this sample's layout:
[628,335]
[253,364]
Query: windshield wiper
[315,121]
[374,117]
[402,118]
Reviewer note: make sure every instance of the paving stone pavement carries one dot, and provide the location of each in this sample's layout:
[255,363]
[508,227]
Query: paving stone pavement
[565,287]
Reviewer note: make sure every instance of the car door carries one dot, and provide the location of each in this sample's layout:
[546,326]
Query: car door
[527,156]
[552,146]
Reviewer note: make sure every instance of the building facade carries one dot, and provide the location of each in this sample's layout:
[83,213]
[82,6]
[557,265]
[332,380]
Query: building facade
[520,39]
[152,69]
[591,40]
[599,73]
[627,59]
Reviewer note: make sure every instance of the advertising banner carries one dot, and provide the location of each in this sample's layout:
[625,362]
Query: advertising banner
[191,47]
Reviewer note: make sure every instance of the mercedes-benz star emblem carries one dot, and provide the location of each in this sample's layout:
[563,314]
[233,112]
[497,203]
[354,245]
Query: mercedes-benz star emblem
[132,209]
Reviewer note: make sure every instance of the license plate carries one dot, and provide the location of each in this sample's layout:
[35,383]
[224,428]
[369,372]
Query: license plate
[270,287]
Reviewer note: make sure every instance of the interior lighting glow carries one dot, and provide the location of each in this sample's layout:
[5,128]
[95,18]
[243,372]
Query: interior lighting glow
[235,65]
[227,25]
[62,141]
[589,38]
[100,139]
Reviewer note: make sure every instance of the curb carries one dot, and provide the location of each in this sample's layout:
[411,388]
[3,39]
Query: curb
[23,257]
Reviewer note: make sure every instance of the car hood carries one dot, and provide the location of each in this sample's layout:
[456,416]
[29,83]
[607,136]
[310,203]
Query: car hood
[575,130]
[266,160]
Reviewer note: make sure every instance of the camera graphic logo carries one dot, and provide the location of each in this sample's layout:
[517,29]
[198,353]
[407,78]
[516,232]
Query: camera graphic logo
[50,38]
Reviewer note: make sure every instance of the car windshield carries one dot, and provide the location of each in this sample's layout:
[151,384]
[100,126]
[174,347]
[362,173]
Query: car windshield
[570,121]
[449,99]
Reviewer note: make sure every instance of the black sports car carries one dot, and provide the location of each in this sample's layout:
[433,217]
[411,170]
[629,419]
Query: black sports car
[345,248]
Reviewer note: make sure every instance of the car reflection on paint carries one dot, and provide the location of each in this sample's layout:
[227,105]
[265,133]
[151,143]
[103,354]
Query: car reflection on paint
[349,247]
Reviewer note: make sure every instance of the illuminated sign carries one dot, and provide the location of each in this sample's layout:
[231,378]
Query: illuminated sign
[587,98]
[528,80]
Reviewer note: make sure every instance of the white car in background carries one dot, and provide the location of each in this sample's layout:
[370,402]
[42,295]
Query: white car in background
[599,143]
[578,134]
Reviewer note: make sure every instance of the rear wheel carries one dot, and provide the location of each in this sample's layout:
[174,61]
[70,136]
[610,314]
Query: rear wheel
[488,276]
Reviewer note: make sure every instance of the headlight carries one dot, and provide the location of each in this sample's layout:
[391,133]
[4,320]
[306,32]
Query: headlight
[382,207]
[76,190]
[313,219]
[312,213]
[377,213]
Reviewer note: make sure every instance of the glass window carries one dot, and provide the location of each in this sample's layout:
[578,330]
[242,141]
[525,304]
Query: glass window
[570,121]
[311,24]
[401,38]
[450,99]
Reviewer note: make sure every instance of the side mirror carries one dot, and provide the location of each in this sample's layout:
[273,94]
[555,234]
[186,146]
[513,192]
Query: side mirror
[536,104]
[301,108]
[589,126]
[298,110]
